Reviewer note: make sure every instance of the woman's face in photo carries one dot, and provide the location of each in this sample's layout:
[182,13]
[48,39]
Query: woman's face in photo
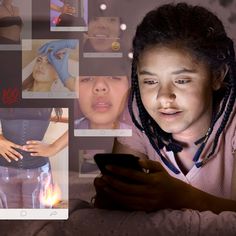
[43,71]
[103,31]
[102,99]
[176,90]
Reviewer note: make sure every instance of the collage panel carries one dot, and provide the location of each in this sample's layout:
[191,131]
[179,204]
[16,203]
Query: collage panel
[50,69]
[34,175]
[15,24]
[101,109]
[69,15]
[103,38]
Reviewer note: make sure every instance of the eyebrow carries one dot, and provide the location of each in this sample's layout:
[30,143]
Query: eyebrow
[144,72]
[184,70]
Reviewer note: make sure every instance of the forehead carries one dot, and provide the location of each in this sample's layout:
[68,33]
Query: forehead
[166,55]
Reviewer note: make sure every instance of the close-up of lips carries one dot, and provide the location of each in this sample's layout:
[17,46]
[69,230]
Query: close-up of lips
[101,32]
[169,111]
[101,105]
[38,71]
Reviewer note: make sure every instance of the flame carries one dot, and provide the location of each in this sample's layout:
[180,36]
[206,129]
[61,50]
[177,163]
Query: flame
[51,195]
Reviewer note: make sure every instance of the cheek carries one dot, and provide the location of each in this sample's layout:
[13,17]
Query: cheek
[84,98]
[51,72]
[148,98]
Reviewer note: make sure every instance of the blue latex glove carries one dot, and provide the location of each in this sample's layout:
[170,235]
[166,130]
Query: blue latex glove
[60,65]
[57,45]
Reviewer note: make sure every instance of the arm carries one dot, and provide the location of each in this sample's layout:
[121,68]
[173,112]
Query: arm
[155,190]
[7,149]
[38,148]
[55,7]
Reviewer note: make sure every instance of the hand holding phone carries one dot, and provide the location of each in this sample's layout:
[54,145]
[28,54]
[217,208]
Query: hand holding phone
[121,160]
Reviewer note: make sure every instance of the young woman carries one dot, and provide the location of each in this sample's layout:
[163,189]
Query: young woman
[25,171]
[42,77]
[182,105]
[102,100]
[51,65]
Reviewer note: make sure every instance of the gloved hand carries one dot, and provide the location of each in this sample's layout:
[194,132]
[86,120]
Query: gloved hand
[60,65]
[57,45]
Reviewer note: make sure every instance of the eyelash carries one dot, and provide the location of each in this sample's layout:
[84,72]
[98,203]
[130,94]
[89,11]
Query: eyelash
[182,81]
[150,82]
[85,79]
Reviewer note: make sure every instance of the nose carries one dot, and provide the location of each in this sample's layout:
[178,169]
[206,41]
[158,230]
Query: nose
[100,86]
[166,95]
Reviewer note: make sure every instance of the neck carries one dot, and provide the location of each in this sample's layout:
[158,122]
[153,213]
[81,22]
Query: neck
[41,87]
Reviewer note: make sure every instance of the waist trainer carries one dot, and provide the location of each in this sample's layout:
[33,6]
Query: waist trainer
[20,125]
[10,20]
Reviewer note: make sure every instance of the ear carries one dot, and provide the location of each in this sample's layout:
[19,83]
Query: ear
[219,76]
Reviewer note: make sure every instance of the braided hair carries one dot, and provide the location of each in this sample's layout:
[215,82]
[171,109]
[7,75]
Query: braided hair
[200,32]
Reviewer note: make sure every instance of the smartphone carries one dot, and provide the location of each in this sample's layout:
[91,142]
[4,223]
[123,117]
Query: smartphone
[123,160]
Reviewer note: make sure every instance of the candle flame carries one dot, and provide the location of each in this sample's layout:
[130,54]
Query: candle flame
[51,195]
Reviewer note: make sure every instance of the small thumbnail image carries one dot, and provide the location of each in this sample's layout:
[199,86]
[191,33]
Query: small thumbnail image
[87,166]
[101,109]
[15,23]
[34,175]
[103,38]
[50,69]
[68,15]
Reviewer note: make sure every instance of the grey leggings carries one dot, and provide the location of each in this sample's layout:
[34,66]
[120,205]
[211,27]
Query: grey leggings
[23,188]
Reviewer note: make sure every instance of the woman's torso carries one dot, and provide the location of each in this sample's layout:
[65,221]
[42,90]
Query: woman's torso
[20,125]
[10,24]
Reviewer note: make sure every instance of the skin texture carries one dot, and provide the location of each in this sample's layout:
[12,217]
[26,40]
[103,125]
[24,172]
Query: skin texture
[44,74]
[170,81]
[102,99]
[102,32]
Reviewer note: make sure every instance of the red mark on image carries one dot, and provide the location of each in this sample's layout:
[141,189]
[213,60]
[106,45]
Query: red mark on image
[10,96]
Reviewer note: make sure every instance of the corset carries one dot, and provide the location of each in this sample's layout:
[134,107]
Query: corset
[20,125]
[10,20]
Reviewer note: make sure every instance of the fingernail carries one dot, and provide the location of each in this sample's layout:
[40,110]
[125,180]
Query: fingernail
[21,157]
[9,160]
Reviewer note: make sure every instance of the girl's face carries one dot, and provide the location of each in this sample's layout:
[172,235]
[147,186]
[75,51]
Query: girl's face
[43,71]
[176,90]
[103,31]
[102,99]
